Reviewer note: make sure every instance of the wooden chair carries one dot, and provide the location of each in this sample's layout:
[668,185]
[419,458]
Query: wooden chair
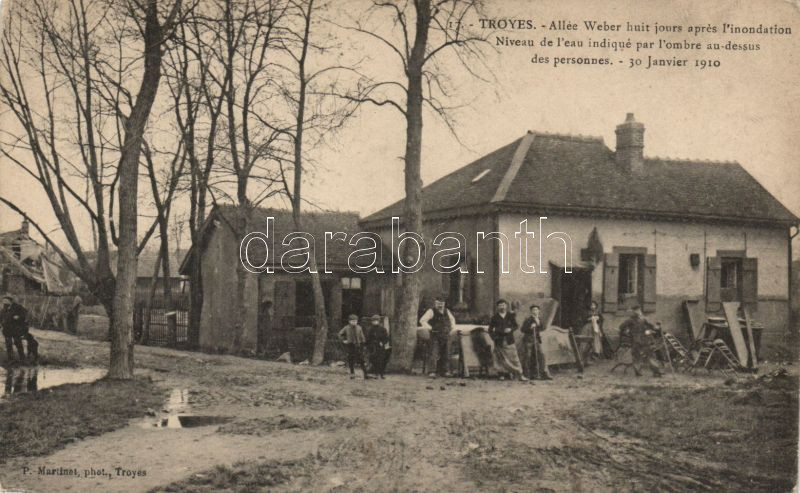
[673,346]
[715,354]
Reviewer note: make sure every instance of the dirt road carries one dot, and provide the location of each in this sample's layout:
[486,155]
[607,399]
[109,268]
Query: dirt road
[322,431]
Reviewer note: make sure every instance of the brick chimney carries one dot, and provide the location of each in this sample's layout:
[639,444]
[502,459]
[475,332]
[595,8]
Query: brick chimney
[25,228]
[630,145]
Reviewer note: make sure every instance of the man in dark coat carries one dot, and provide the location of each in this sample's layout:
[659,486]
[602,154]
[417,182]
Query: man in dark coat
[501,329]
[14,319]
[534,362]
[378,346]
[640,331]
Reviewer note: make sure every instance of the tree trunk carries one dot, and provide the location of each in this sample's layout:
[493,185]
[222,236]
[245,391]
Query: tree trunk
[151,295]
[242,222]
[320,315]
[196,220]
[404,335]
[195,300]
[121,364]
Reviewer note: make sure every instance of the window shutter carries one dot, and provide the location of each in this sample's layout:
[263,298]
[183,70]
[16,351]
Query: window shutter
[649,295]
[713,284]
[750,280]
[610,282]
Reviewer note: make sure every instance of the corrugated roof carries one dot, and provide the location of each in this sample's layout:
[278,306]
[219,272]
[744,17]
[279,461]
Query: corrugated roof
[568,173]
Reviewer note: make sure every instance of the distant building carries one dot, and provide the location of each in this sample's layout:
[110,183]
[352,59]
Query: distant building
[21,269]
[145,269]
[290,294]
[644,231]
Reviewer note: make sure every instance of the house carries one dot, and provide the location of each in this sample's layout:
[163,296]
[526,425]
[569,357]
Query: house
[346,292]
[608,225]
[21,270]
[144,277]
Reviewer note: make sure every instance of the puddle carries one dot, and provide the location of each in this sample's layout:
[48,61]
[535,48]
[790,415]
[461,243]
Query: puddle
[34,379]
[177,414]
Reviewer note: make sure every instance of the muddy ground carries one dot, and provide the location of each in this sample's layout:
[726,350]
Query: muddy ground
[278,427]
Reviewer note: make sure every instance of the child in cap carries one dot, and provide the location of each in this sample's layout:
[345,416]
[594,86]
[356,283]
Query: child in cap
[378,345]
[352,336]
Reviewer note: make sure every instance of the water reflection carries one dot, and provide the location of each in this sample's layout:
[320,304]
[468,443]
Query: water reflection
[23,380]
[33,379]
[177,413]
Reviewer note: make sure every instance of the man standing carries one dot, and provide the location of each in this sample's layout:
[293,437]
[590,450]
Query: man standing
[441,322]
[378,345]
[14,319]
[352,336]
[501,330]
[641,349]
[534,363]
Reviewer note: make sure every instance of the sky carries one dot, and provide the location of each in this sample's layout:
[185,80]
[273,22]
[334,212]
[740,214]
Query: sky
[745,110]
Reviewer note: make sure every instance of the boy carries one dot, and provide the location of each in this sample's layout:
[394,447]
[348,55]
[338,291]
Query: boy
[352,336]
[641,350]
[378,345]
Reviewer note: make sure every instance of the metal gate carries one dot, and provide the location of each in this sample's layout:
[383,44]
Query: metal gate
[167,327]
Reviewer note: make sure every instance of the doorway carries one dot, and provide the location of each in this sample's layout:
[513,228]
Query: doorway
[352,296]
[574,294]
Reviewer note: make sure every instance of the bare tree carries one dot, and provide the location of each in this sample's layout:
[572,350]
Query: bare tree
[227,54]
[429,40]
[163,184]
[72,50]
[314,113]
[197,104]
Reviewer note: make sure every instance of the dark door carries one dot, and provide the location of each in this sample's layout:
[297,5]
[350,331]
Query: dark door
[573,291]
[283,308]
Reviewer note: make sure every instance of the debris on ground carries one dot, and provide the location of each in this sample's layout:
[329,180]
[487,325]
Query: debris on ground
[285,358]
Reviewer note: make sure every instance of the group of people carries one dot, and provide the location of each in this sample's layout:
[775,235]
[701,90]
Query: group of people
[501,330]
[528,362]
[14,322]
[375,343]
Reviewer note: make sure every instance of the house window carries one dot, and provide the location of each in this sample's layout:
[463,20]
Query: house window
[730,272]
[351,283]
[630,267]
[730,278]
[629,279]
[352,296]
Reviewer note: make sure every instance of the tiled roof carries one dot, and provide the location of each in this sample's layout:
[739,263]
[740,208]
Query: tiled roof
[315,223]
[561,173]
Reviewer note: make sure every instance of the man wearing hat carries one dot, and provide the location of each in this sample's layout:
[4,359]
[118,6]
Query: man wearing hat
[441,322]
[14,319]
[378,346]
[501,329]
[352,336]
